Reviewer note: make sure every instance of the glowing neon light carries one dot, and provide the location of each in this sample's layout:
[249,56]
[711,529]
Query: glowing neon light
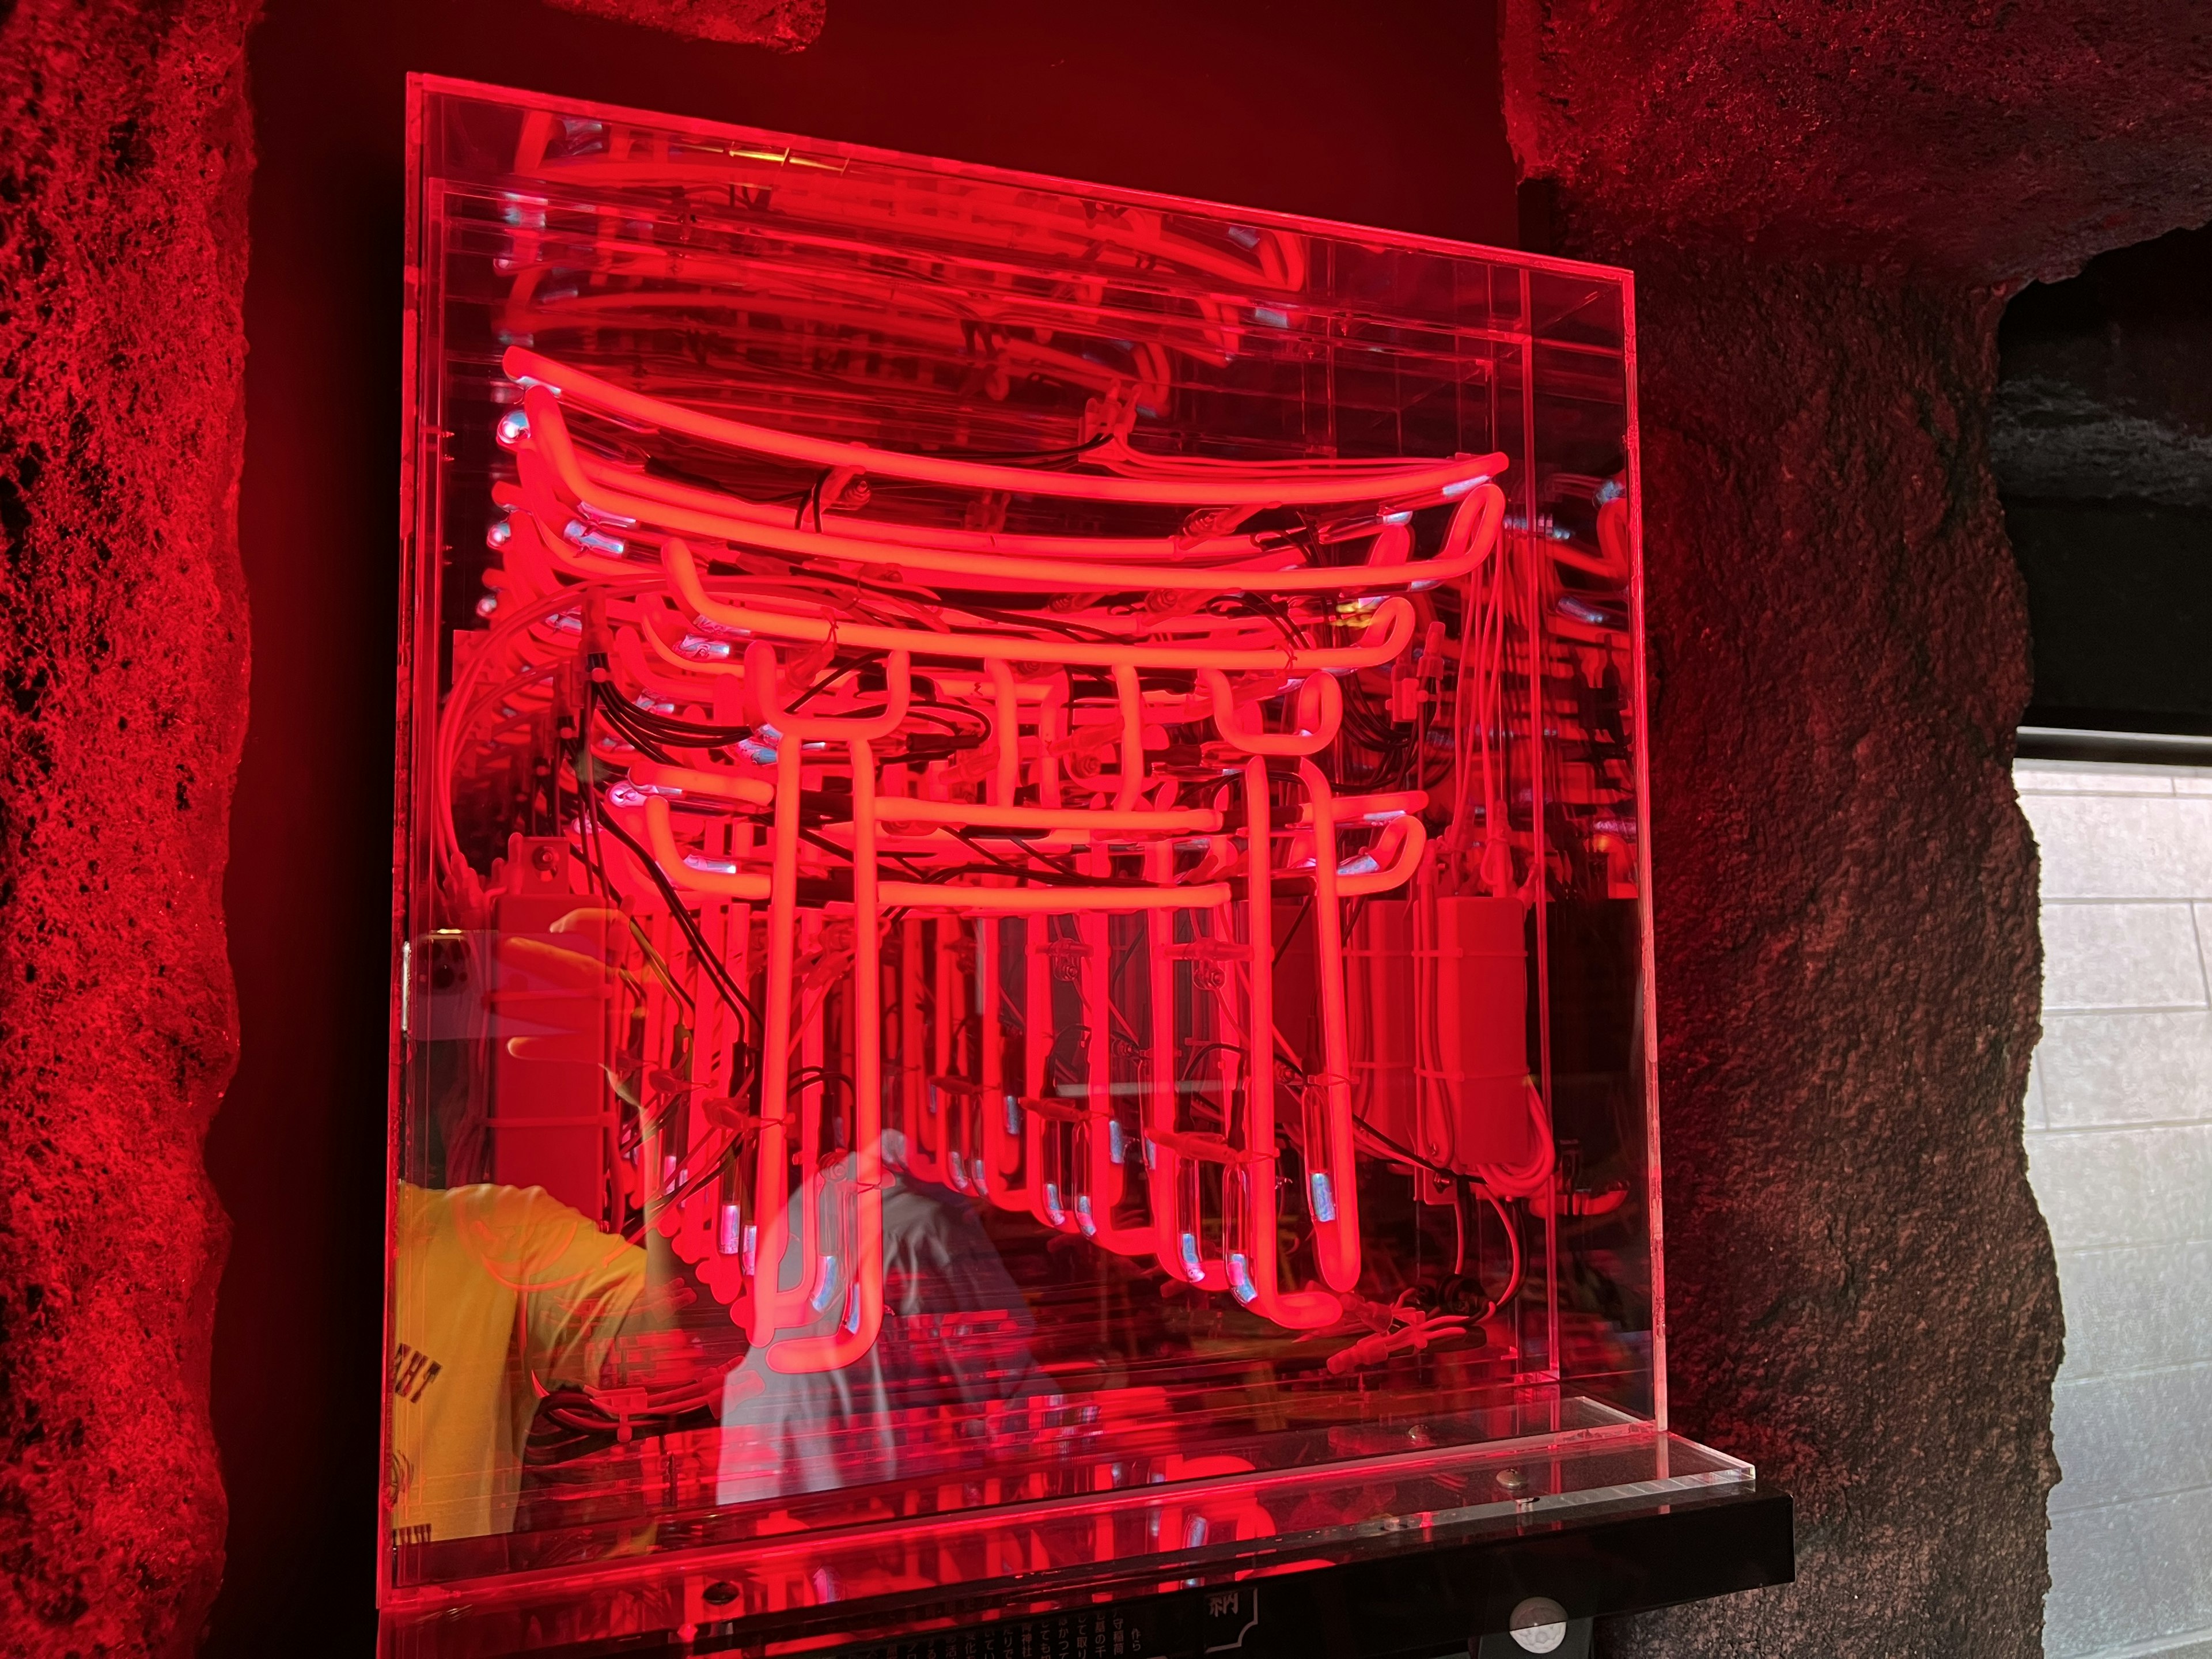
[769,655]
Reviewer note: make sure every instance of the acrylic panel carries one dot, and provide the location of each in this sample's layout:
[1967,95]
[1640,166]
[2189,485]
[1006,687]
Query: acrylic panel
[1021,914]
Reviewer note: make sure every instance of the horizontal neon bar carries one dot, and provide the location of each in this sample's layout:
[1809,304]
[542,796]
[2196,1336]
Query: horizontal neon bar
[896,809]
[1393,619]
[691,781]
[1045,573]
[1050,901]
[1368,483]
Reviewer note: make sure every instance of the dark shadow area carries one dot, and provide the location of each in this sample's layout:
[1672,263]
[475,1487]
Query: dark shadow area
[2101,439]
[1395,123]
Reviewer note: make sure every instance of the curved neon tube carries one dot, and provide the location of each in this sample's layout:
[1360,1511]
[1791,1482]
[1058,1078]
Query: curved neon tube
[1130,702]
[1360,481]
[1278,259]
[928,641]
[1171,1182]
[762,691]
[1238,656]
[1337,1236]
[855,1331]
[691,781]
[1051,900]
[1377,808]
[1005,735]
[920,1151]
[1011,568]
[1001,1124]
[1393,620]
[649,677]
[1413,839]
[1321,710]
[667,492]
[1035,1047]
[948,1107]
[1296,1309]
[1187,820]
[774,1308]
[1101,1175]
[660,841]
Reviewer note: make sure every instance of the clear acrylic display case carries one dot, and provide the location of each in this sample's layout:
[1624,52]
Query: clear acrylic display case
[1021,948]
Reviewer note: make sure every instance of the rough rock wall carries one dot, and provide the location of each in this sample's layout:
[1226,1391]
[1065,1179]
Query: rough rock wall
[784,25]
[1825,208]
[125,157]
[1862,1296]
[1996,140]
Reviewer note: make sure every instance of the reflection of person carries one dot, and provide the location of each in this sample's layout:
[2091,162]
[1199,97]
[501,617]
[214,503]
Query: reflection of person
[501,1292]
[955,1341]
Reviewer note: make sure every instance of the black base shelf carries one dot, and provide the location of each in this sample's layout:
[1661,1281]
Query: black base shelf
[1437,1596]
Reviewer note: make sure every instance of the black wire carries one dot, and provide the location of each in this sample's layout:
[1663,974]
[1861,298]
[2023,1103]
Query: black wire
[735,997]
[836,672]
[936,712]
[637,738]
[816,838]
[712,1170]
[1039,878]
[663,728]
[1404,1154]
[595,855]
[1201,1052]
[812,498]
[588,816]
[1247,603]
[1042,457]
[968,837]
[906,865]
[1305,906]
[1022,837]
[1077,631]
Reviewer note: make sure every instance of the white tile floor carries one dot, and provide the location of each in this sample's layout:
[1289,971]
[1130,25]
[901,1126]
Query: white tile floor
[2119,1136]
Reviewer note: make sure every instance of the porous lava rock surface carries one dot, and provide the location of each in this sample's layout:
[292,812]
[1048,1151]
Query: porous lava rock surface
[1824,208]
[783,25]
[1861,1296]
[1997,141]
[124,156]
